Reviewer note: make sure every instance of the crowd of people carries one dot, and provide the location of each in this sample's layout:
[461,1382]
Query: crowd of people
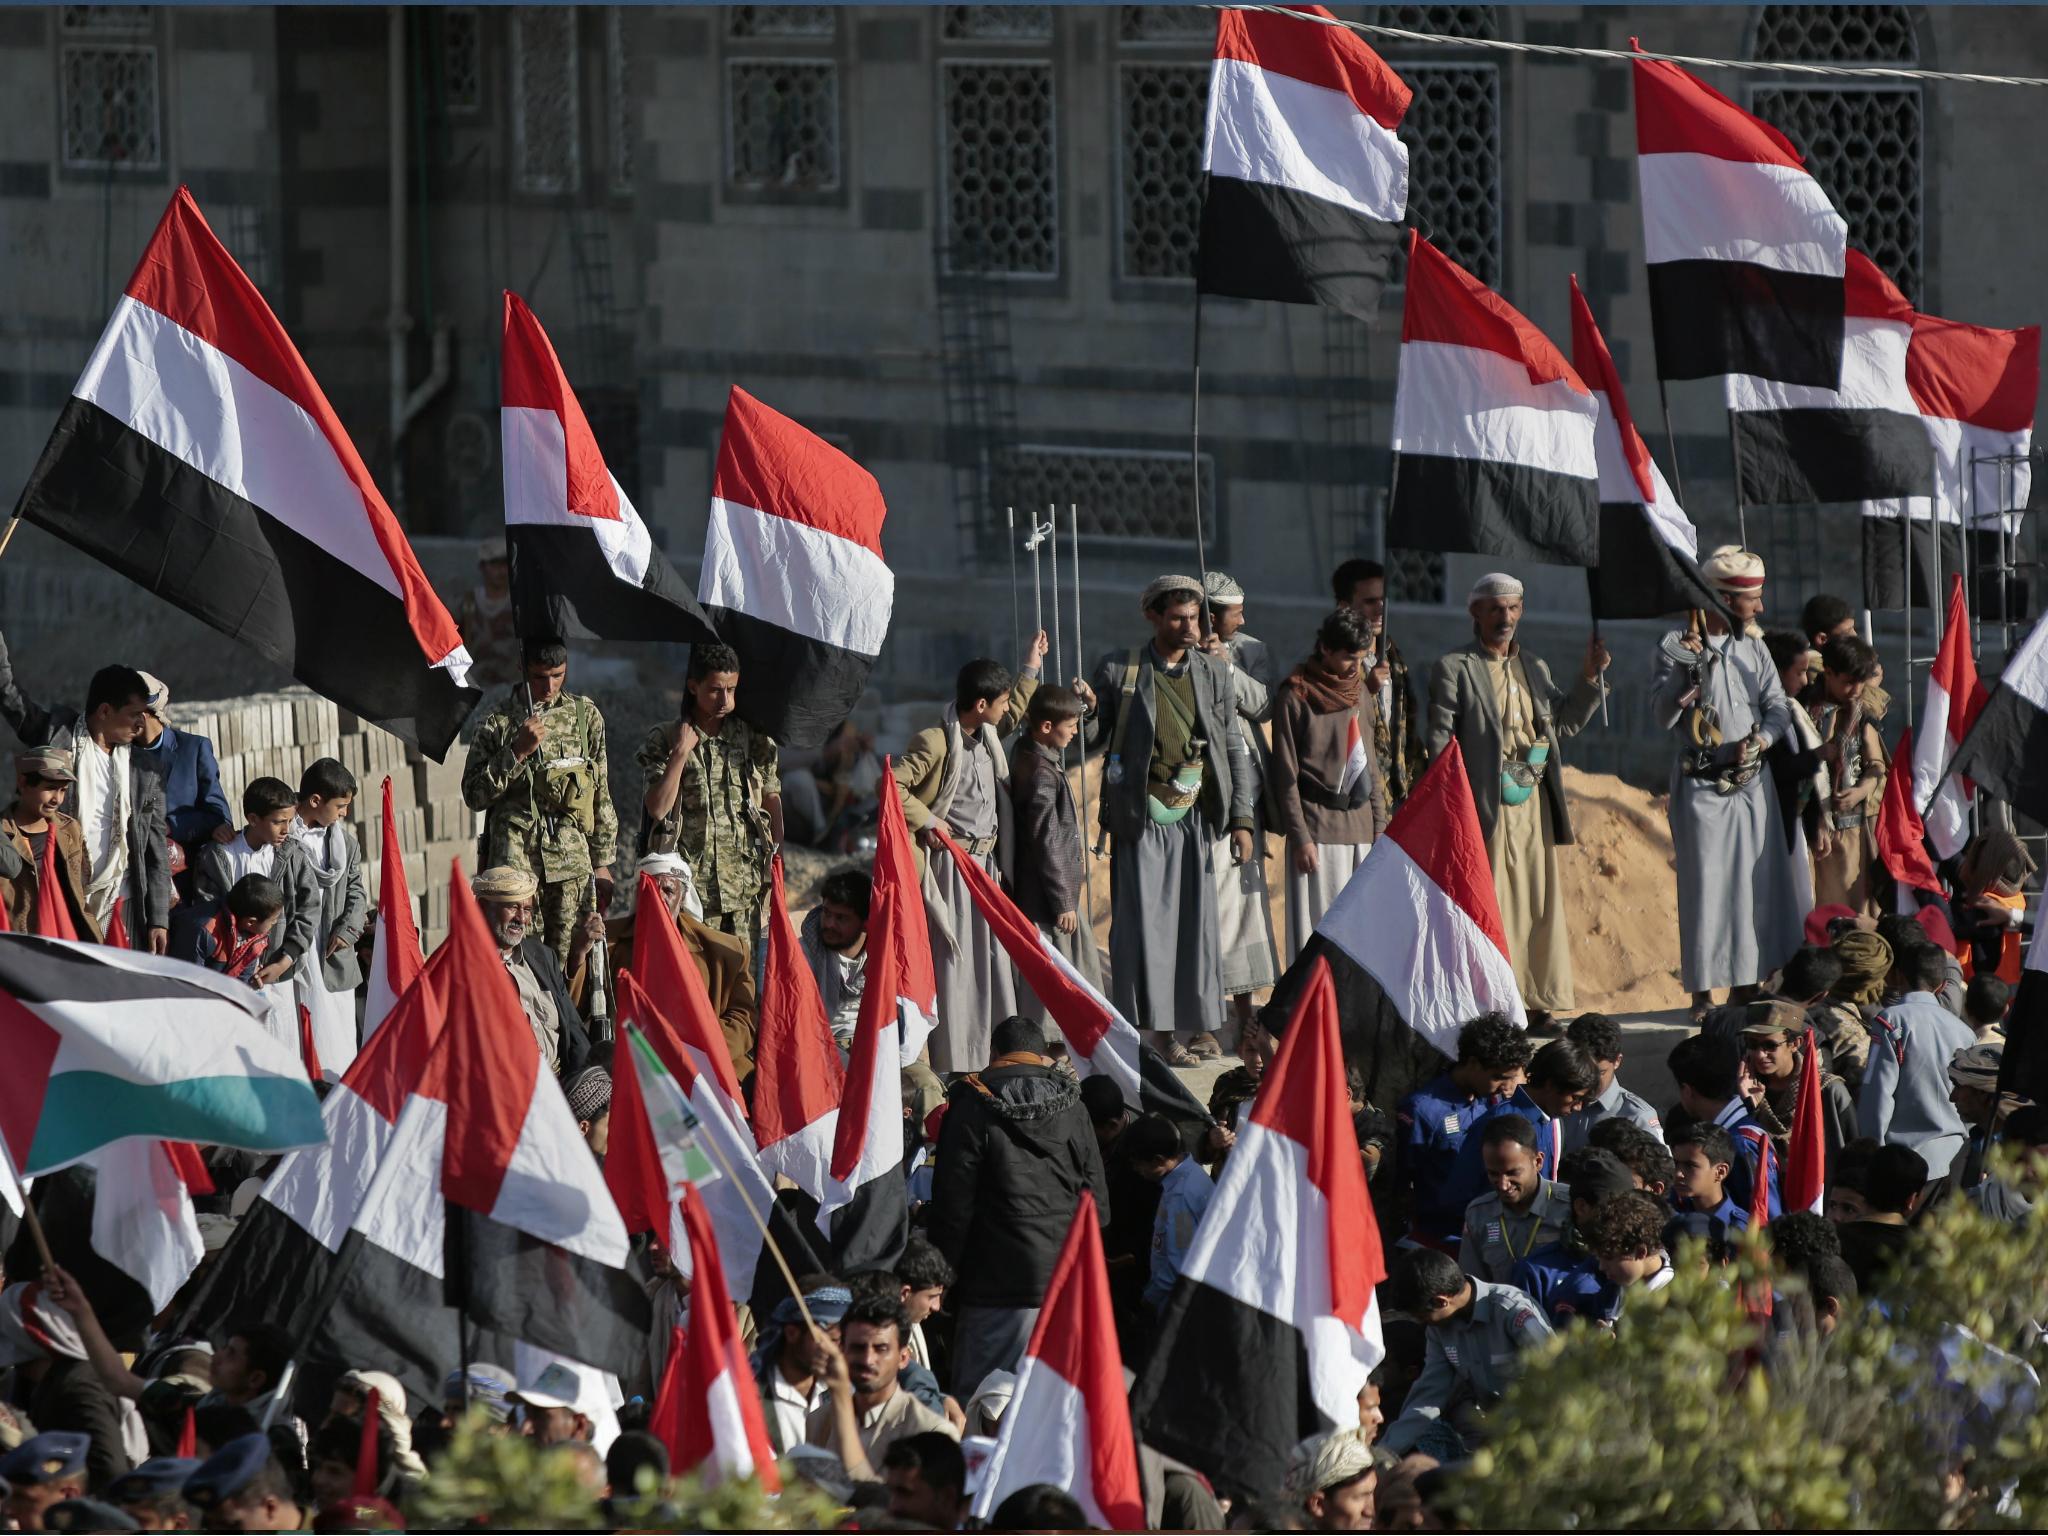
[1521,1187]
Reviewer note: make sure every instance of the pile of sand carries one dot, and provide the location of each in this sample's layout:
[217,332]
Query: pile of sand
[1619,878]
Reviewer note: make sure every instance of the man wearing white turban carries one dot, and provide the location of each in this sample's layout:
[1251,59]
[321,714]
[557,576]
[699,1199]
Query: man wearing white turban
[1739,914]
[1507,715]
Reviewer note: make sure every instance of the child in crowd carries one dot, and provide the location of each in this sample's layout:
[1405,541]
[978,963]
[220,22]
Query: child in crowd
[235,938]
[52,867]
[1048,868]
[1626,1238]
[1563,1278]
[1703,1155]
[265,846]
[1984,1005]
[1521,1212]
[1157,1153]
[325,987]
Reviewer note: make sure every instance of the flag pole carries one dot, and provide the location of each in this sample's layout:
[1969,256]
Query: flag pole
[1671,444]
[1906,599]
[1059,654]
[1016,610]
[1741,508]
[7,538]
[34,1224]
[1195,467]
[1080,665]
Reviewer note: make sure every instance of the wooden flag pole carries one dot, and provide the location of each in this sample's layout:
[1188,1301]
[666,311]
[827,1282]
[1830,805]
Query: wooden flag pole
[7,538]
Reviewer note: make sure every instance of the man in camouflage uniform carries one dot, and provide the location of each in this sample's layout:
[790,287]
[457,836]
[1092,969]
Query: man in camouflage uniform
[537,771]
[490,631]
[714,796]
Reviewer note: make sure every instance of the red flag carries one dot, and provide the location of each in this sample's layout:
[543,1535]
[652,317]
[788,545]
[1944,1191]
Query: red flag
[53,912]
[798,1076]
[396,958]
[307,1052]
[909,941]
[365,1485]
[1901,837]
[1069,1422]
[1803,1180]
[188,1435]
[632,1160]
[664,966]
[708,1412]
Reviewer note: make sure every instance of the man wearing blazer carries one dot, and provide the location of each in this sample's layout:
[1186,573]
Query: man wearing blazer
[1175,778]
[1508,717]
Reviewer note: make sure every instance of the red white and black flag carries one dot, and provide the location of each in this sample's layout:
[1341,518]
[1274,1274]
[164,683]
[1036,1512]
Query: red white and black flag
[1858,438]
[2006,749]
[198,457]
[583,562]
[1274,1313]
[1954,695]
[1649,549]
[793,573]
[1493,429]
[1746,252]
[1307,181]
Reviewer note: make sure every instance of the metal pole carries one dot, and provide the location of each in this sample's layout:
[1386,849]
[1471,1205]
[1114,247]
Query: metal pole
[1671,445]
[1906,523]
[1059,655]
[1016,610]
[1741,509]
[1939,588]
[1037,588]
[1195,468]
[1080,666]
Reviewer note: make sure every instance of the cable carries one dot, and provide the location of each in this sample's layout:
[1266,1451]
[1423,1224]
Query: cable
[1627,56]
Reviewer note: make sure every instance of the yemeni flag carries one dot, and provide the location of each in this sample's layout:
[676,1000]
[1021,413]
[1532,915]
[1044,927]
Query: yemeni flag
[583,563]
[793,572]
[2005,749]
[1649,549]
[1099,1039]
[1856,439]
[1493,429]
[1069,1423]
[895,869]
[1307,182]
[865,1207]
[708,1410]
[666,969]
[143,1222]
[1746,253]
[1354,758]
[198,457]
[1804,1178]
[103,1045]
[799,1078]
[1954,696]
[395,955]
[1274,1313]
[1900,835]
[1414,940]
[535,1245]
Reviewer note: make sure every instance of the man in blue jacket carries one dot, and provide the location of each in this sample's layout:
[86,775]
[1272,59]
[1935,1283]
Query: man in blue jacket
[195,807]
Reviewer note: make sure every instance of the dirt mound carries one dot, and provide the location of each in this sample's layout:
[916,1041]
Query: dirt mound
[1618,878]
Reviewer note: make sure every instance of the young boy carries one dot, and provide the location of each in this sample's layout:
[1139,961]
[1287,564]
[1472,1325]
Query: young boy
[266,847]
[1563,1278]
[1626,1237]
[233,941]
[44,842]
[1157,1153]
[1854,753]
[1048,869]
[326,990]
[1475,1335]
[1984,1004]
[1704,1155]
[1492,1056]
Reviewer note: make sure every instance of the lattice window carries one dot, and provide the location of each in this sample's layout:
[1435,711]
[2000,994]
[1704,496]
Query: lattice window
[110,106]
[781,20]
[1001,168]
[462,60]
[1415,576]
[546,111]
[1864,146]
[1439,20]
[1165,24]
[1823,34]
[1163,111]
[1452,131]
[621,26]
[1124,498]
[241,229]
[998,23]
[782,119]
[105,20]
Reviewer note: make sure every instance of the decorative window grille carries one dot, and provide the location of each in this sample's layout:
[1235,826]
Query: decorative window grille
[546,110]
[1001,167]
[1452,130]
[110,105]
[1163,111]
[1862,143]
[1126,499]
[782,123]
[104,20]
[1165,24]
[821,21]
[241,229]
[621,24]
[462,60]
[1438,20]
[997,23]
[1415,576]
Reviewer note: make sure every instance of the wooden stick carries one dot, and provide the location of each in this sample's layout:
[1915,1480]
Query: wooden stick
[28,1209]
[7,538]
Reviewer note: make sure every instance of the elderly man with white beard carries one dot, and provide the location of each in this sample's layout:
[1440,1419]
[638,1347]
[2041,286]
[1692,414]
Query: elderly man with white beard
[506,897]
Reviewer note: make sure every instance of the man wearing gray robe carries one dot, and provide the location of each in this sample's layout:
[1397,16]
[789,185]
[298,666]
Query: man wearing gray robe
[1175,775]
[1739,915]
[1244,911]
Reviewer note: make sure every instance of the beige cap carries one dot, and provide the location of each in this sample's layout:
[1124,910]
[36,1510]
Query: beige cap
[504,883]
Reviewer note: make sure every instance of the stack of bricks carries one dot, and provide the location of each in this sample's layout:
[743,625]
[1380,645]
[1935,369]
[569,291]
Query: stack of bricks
[276,735]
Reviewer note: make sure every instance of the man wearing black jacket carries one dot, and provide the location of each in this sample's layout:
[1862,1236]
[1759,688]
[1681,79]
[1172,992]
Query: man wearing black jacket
[506,897]
[1016,1152]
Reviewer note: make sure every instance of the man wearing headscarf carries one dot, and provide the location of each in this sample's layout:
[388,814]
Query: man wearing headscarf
[1739,915]
[1843,1020]
[1244,914]
[1330,1482]
[1508,717]
[789,1368]
[1175,779]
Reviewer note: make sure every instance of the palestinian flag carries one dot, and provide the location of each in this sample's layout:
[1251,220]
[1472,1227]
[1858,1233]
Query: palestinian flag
[1069,1423]
[1414,940]
[665,968]
[1493,430]
[1307,182]
[1274,1313]
[395,956]
[2005,749]
[1649,549]
[1745,250]
[583,563]
[198,457]
[895,870]
[793,572]
[1852,440]
[103,1045]
[1953,698]
[1099,1039]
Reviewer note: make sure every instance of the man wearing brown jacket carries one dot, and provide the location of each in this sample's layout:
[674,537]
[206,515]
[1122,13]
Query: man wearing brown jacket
[42,778]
